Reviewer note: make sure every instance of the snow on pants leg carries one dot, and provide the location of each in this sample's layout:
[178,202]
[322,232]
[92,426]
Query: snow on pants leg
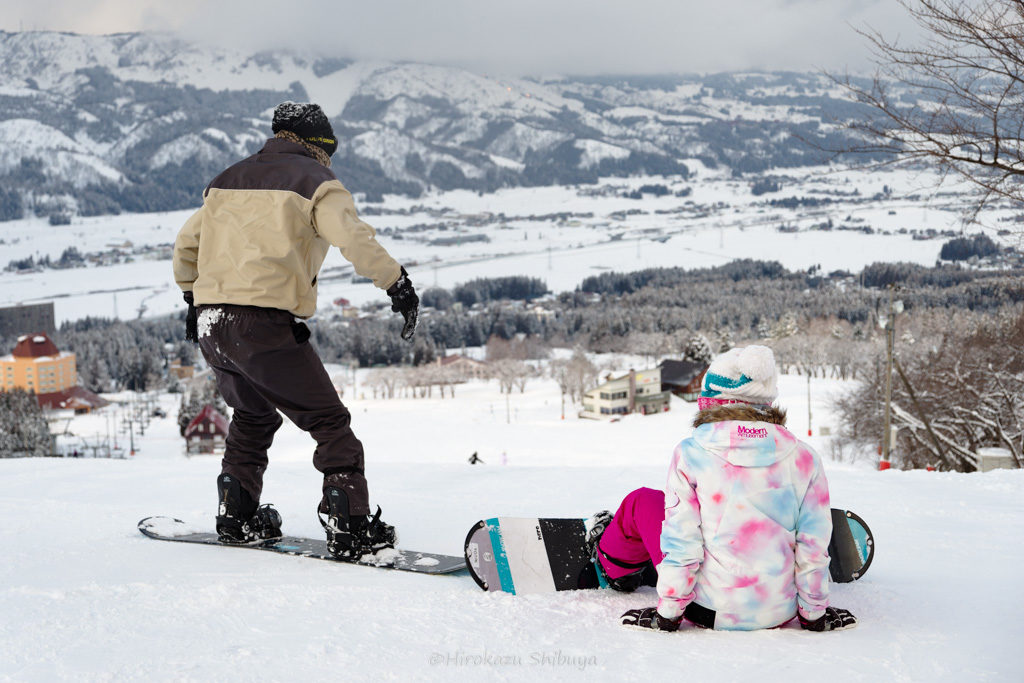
[634,535]
[262,368]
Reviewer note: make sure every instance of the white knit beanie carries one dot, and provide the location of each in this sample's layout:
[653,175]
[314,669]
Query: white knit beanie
[741,375]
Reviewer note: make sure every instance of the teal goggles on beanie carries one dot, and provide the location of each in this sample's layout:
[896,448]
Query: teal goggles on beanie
[743,375]
[308,121]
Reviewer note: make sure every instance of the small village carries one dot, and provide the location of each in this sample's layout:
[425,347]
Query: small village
[38,367]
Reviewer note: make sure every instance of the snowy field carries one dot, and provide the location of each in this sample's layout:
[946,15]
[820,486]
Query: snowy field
[718,222]
[83,596]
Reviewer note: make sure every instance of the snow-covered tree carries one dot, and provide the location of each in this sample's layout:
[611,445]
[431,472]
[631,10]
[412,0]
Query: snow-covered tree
[950,398]
[23,427]
[384,381]
[724,339]
[650,345]
[575,375]
[785,327]
[698,349]
[511,373]
[520,347]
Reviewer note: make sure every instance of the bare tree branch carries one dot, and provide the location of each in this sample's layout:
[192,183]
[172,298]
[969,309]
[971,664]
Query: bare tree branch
[957,100]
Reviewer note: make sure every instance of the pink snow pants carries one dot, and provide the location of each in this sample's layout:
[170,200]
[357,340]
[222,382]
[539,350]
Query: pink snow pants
[634,536]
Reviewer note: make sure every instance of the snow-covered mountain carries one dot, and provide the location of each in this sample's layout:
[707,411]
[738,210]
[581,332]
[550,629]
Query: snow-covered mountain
[96,124]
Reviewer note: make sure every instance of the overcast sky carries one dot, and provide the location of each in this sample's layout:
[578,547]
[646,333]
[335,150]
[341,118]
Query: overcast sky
[526,37]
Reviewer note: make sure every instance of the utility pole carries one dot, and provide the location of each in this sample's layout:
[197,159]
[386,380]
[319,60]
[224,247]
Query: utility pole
[890,342]
[355,366]
[886,445]
[809,404]
[128,421]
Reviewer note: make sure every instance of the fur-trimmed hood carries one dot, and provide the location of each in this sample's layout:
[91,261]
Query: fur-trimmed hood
[741,413]
[745,435]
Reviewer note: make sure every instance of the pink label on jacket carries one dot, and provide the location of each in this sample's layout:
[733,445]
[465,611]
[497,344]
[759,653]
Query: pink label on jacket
[748,433]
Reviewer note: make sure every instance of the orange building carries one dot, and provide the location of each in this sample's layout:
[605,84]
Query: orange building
[37,365]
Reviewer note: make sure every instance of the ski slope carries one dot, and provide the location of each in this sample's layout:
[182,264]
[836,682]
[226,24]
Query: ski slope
[84,596]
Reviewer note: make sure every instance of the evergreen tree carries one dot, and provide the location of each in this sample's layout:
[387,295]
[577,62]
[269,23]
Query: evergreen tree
[24,430]
[963,248]
[698,349]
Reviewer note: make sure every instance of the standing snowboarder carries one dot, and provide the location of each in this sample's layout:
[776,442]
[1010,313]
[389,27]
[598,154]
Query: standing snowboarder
[247,262]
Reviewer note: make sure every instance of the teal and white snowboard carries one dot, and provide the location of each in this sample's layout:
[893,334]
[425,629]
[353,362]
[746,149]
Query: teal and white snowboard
[530,555]
[522,555]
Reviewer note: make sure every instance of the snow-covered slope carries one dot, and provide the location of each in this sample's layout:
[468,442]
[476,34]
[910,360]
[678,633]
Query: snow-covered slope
[50,60]
[55,154]
[85,597]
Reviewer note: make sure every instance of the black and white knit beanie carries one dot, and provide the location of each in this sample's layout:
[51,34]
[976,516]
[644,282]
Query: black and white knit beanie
[308,121]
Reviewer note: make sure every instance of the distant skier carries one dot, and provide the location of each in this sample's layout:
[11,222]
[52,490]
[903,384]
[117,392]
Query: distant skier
[739,538]
[474,459]
[247,262]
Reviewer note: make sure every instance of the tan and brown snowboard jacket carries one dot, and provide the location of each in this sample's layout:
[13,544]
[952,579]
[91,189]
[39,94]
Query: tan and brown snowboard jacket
[264,230]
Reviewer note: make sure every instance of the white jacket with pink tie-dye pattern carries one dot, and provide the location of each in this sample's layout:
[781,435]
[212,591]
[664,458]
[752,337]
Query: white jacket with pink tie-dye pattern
[747,523]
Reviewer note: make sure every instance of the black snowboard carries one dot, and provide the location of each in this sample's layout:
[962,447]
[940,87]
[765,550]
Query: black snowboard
[171,529]
[541,555]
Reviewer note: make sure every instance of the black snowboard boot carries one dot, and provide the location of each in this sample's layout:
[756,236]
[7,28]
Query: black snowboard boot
[349,537]
[595,527]
[239,520]
[645,575]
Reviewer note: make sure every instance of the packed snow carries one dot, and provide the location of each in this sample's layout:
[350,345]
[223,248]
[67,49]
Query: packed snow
[84,596]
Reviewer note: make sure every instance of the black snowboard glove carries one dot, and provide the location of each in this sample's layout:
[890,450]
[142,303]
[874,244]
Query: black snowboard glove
[191,320]
[405,301]
[648,617]
[832,620]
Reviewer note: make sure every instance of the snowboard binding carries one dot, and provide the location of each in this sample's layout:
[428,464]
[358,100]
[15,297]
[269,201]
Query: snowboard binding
[350,537]
[239,520]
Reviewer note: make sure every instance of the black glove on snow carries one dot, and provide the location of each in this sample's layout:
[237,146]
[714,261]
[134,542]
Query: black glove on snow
[648,617]
[191,321]
[405,301]
[832,620]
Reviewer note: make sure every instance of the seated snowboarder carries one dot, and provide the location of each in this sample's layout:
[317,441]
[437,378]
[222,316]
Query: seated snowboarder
[739,538]
[247,262]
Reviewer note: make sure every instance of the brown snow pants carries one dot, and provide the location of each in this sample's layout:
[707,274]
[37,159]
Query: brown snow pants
[264,365]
